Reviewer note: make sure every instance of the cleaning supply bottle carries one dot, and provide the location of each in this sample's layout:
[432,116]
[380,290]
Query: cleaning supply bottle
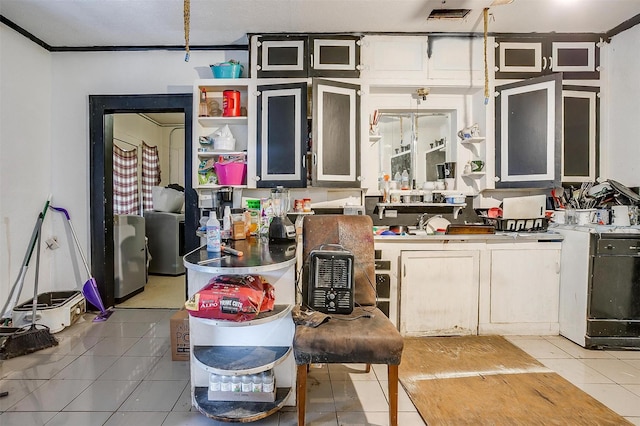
[226,223]
[213,233]
[203,109]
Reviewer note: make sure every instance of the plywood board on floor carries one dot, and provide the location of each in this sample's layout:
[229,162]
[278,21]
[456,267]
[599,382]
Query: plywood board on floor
[477,380]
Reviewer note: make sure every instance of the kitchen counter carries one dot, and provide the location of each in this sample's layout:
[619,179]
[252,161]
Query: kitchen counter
[422,236]
[258,257]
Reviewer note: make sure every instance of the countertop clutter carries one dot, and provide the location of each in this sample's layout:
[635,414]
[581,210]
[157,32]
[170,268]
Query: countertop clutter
[422,235]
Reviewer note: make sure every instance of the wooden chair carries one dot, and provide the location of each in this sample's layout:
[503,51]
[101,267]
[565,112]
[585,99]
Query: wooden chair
[370,338]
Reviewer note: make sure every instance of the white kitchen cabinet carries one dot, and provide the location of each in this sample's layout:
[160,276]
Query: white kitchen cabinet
[523,292]
[438,59]
[439,292]
[394,57]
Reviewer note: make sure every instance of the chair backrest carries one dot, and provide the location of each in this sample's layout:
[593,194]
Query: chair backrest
[354,233]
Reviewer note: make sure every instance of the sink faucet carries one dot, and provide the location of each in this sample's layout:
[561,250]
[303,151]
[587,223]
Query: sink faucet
[422,220]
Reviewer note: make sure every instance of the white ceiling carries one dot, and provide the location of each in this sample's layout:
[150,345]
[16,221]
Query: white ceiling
[83,23]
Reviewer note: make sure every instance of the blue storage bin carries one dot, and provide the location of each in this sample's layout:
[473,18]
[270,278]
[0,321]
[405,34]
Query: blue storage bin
[226,70]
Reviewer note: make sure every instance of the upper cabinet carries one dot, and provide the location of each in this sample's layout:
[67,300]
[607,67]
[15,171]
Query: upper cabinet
[434,59]
[295,56]
[577,57]
[529,133]
[281,131]
[336,134]
[580,106]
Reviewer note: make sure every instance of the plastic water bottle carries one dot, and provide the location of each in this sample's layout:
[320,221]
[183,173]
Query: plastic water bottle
[267,381]
[213,233]
[405,180]
[214,382]
[225,384]
[236,384]
[247,383]
[256,383]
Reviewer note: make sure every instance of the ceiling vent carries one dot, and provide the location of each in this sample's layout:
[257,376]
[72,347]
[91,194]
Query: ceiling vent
[448,13]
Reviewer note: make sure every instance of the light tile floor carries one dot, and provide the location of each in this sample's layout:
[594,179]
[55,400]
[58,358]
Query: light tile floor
[120,373]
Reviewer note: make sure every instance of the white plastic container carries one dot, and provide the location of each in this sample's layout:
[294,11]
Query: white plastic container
[213,234]
[167,199]
[223,143]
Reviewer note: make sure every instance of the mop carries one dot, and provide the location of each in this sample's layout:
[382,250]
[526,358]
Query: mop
[36,336]
[90,287]
[16,289]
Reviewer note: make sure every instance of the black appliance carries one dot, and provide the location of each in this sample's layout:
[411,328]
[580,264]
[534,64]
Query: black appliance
[281,229]
[331,281]
[613,309]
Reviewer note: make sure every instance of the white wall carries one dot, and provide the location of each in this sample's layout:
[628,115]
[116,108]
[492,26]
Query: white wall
[44,140]
[25,154]
[621,144]
[75,76]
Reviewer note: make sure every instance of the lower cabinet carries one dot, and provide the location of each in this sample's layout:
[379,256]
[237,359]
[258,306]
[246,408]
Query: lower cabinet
[439,292]
[521,295]
[478,286]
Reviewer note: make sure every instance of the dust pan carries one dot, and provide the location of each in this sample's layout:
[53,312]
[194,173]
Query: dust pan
[90,287]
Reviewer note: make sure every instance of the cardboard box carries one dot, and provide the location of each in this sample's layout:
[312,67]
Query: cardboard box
[179,330]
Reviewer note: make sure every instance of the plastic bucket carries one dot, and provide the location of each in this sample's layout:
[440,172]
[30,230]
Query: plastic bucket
[232,173]
[226,70]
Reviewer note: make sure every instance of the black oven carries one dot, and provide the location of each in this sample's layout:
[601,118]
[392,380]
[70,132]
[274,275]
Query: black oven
[613,310]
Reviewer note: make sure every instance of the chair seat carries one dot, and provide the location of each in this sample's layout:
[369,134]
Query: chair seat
[371,340]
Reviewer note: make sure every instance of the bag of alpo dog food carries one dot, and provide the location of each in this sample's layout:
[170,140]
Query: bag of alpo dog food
[232,297]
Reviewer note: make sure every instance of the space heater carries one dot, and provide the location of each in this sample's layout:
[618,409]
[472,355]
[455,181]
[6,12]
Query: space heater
[331,281]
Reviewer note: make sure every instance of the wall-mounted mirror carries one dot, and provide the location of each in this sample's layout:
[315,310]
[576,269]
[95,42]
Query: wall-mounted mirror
[416,141]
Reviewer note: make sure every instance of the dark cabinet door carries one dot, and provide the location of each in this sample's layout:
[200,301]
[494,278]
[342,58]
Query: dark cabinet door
[521,58]
[529,133]
[580,106]
[283,56]
[334,56]
[575,59]
[336,134]
[282,136]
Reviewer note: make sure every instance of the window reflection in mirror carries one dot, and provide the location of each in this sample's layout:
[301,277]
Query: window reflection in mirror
[415,142]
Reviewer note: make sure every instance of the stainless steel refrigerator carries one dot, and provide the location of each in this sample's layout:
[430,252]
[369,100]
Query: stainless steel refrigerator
[130,263]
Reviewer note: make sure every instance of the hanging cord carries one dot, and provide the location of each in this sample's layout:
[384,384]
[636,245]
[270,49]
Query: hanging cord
[187,13]
[485,15]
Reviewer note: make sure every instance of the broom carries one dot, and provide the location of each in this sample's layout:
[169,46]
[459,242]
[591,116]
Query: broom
[34,337]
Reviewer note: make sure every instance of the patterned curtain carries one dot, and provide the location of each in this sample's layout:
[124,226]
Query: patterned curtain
[150,174]
[125,181]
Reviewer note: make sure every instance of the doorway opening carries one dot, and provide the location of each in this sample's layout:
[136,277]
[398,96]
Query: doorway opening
[102,108]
